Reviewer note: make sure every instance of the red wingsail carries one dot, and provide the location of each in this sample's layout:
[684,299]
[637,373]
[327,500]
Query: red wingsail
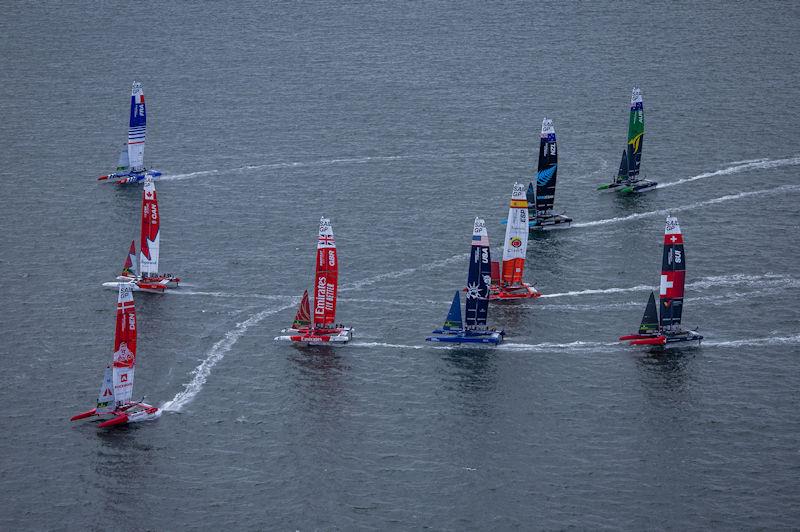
[124,345]
[673,276]
[326,278]
[149,244]
[302,320]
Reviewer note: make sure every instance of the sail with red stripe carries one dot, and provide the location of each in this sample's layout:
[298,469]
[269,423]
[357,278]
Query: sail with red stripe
[124,345]
[149,243]
[516,242]
[302,320]
[673,276]
[326,278]
[129,268]
[137,129]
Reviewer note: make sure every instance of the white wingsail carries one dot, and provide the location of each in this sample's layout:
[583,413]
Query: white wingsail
[105,399]
[137,128]
[516,242]
[123,163]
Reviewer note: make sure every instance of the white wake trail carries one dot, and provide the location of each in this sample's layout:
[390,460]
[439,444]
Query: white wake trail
[767,191]
[228,295]
[215,354]
[736,167]
[766,279]
[755,342]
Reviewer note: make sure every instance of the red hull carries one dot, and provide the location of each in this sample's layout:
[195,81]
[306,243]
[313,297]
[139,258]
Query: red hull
[88,413]
[526,291]
[658,340]
[119,420]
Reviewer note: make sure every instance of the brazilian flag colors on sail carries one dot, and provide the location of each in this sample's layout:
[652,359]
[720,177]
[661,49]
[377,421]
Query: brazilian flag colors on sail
[635,134]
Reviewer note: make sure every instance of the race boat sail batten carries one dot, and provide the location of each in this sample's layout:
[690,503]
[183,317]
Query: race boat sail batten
[320,327]
[662,327]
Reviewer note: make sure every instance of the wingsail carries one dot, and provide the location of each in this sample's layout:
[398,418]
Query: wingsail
[137,128]
[516,241]
[673,276]
[326,278]
[479,277]
[149,238]
[124,345]
[302,320]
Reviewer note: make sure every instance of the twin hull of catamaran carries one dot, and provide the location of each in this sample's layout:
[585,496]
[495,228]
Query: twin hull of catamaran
[116,389]
[130,166]
[319,327]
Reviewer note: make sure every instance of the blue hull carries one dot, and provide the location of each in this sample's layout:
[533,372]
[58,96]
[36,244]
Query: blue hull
[466,337]
[129,178]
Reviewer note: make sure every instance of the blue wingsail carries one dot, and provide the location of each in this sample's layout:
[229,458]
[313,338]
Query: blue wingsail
[453,321]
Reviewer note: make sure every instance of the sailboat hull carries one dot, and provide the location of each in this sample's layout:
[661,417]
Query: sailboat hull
[485,337]
[129,178]
[635,187]
[309,337]
[131,413]
[550,223]
[499,294]
[664,339]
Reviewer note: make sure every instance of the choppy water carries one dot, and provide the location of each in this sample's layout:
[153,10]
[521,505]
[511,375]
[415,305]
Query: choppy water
[401,122]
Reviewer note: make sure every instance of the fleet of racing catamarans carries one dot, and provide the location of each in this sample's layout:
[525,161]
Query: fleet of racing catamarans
[530,211]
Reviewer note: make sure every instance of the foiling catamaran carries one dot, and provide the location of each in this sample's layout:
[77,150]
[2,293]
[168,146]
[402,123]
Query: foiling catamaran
[116,390]
[507,283]
[473,329]
[664,328]
[130,165]
[320,328]
[541,198]
[628,180]
[147,279]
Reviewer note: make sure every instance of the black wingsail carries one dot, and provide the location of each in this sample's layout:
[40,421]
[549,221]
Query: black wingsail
[650,319]
[622,173]
[479,277]
[548,167]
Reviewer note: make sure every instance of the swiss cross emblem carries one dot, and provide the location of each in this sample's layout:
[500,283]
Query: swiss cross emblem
[673,239]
